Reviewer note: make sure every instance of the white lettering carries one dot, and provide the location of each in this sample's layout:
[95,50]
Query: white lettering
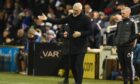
[45,54]
[56,53]
[7,54]
[52,54]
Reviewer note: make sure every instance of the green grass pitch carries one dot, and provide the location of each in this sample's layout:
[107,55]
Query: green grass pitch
[12,78]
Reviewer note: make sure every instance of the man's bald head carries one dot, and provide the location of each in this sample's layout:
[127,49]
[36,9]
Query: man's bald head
[127,9]
[78,6]
[77,9]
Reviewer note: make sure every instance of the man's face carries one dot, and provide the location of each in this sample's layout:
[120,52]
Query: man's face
[20,33]
[76,11]
[95,15]
[125,14]
[5,33]
[87,8]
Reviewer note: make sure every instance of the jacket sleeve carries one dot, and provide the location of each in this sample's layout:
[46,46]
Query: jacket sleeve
[134,35]
[89,28]
[58,20]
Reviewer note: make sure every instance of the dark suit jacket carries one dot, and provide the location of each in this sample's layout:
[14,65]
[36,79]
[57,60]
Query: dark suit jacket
[80,23]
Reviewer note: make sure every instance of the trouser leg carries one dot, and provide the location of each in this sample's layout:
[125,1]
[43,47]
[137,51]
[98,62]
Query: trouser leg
[125,56]
[77,68]
[67,67]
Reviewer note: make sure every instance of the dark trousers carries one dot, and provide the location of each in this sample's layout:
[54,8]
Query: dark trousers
[66,67]
[125,56]
[76,66]
[137,68]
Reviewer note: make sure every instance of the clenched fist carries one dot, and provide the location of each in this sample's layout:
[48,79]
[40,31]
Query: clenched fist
[65,34]
[76,34]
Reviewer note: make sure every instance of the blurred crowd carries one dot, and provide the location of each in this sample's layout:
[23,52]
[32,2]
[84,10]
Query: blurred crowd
[19,24]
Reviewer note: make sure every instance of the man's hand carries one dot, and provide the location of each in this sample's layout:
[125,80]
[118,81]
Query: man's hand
[42,17]
[65,34]
[76,34]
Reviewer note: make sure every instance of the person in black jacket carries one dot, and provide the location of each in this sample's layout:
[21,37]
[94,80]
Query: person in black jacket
[80,29]
[125,40]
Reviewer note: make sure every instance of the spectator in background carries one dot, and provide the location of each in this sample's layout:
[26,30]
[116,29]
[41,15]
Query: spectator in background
[27,20]
[16,18]
[33,35]
[118,7]
[87,10]
[38,24]
[135,7]
[118,18]
[110,5]
[111,28]
[49,35]
[68,8]
[95,38]
[51,12]
[60,11]
[102,16]
[20,39]
[6,39]
[21,59]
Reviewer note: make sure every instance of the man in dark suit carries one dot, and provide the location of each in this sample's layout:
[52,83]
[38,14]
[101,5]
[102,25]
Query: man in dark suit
[80,29]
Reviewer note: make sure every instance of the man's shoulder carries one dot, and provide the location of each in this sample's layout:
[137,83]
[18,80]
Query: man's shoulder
[85,17]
